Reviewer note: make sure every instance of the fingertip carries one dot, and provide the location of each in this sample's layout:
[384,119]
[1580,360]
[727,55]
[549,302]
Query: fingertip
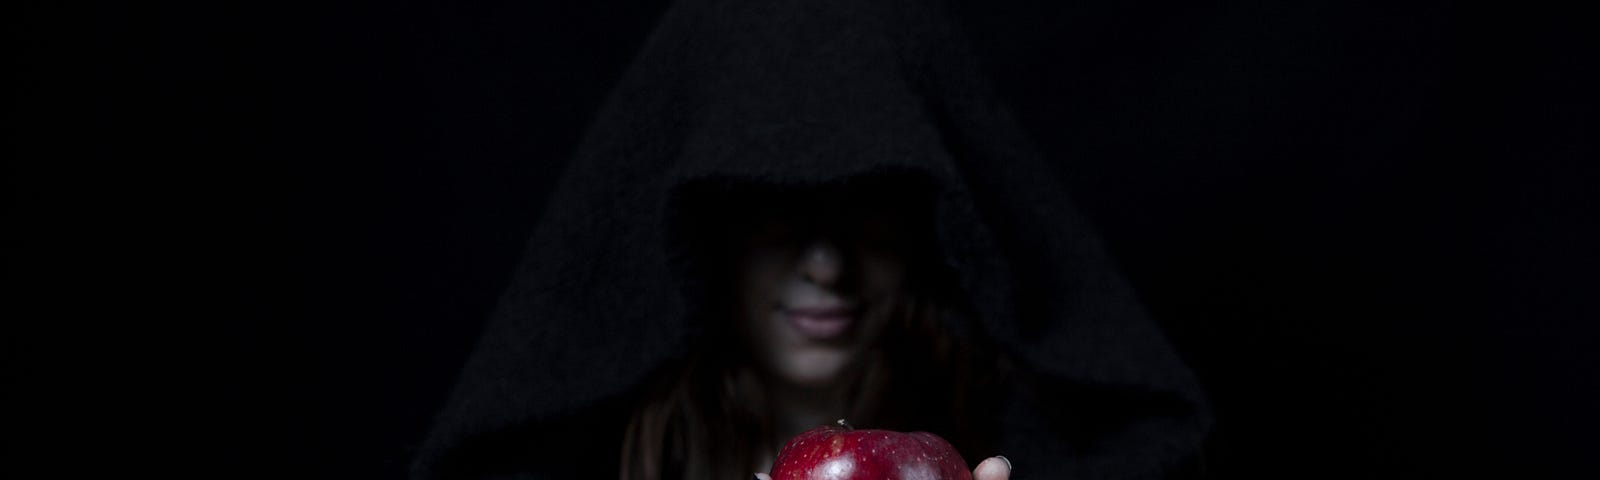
[993,468]
[763,476]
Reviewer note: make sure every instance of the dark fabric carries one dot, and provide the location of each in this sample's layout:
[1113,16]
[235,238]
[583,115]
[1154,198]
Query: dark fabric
[799,93]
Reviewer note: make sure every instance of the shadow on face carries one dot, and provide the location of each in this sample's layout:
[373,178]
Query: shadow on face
[809,276]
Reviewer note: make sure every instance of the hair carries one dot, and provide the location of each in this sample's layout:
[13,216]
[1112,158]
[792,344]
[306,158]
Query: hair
[709,415]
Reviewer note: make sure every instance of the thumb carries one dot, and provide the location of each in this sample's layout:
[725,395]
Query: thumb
[993,468]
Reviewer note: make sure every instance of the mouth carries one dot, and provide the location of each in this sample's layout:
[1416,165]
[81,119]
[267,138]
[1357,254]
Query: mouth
[820,323]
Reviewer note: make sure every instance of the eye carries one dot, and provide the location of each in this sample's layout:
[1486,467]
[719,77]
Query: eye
[877,228]
[775,232]
[877,234]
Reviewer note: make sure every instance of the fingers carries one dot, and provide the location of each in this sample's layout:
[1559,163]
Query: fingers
[993,468]
[763,476]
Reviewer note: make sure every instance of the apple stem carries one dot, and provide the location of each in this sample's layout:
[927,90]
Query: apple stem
[844,424]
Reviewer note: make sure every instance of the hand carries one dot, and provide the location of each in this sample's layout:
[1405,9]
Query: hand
[992,468]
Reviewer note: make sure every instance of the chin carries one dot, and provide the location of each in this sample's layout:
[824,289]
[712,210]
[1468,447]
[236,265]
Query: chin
[814,369]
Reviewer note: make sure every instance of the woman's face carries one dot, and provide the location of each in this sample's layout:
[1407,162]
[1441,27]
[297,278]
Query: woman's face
[816,279]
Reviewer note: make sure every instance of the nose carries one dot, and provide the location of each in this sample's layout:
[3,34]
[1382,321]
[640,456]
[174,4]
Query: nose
[822,263]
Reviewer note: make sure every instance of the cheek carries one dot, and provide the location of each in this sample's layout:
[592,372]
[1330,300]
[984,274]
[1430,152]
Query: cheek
[882,275]
[882,283]
[758,279]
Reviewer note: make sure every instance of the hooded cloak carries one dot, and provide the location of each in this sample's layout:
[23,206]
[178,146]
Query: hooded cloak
[804,93]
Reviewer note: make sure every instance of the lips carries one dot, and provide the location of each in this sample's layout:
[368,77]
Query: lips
[820,323]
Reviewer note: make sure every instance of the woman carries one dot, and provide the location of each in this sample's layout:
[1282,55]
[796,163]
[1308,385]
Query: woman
[836,308]
[792,211]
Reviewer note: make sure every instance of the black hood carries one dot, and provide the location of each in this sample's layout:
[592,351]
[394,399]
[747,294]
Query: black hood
[809,93]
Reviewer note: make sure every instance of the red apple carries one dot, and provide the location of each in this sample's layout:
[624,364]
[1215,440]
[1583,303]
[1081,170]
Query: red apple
[843,453]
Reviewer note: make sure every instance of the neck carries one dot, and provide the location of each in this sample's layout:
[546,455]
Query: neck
[799,408]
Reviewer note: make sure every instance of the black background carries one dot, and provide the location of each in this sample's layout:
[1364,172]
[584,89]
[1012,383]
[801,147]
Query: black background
[259,238]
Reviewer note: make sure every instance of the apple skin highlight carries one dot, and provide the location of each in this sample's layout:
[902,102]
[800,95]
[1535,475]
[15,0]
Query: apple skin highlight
[843,453]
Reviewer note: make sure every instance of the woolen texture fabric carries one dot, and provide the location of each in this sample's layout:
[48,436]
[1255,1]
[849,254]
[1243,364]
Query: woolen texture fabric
[794,94]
